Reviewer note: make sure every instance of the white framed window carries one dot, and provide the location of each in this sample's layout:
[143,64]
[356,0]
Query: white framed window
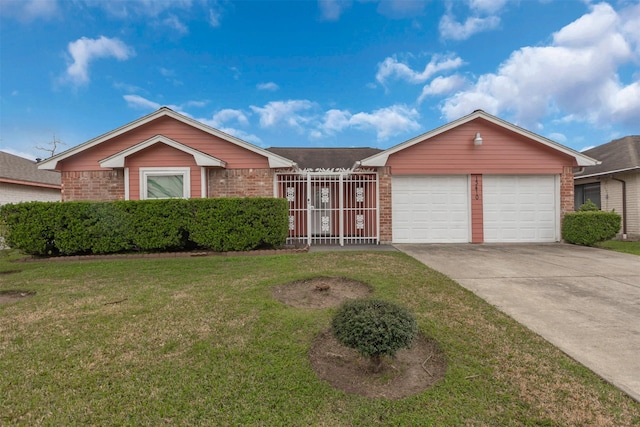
[165,183]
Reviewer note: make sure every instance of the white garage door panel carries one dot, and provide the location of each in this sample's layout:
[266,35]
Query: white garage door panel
[520,208]
[430,209]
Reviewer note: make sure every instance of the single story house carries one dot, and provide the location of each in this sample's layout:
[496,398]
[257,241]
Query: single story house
[22,181]
[476,179]
[614,184]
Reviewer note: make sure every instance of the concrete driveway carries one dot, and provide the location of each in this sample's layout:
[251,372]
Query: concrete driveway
[585,301]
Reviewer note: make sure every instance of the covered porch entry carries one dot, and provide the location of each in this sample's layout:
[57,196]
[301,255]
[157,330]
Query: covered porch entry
[334,207]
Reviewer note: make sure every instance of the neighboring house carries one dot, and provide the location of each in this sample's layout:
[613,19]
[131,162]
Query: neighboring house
[614,184]
[22,181]
[477,179]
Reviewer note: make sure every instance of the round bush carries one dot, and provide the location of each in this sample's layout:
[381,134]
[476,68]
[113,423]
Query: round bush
[374,328]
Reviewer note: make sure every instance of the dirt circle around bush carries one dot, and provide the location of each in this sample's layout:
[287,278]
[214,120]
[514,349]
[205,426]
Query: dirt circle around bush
[411,372]
[9,296]
[320,292]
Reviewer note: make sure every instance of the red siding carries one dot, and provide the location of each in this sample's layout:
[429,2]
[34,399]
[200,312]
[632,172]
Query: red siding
[502,152]
[477,210]
[233,155]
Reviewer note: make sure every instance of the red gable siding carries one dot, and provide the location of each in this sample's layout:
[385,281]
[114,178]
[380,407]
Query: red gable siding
[502,152]
[236,157]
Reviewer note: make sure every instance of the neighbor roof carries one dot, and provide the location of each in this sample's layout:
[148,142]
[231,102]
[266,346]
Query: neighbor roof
[619,155]
[380,159]
[18,170]
[325,158]
[274,159]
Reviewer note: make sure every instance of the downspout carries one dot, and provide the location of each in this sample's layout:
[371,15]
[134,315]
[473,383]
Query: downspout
[624,206]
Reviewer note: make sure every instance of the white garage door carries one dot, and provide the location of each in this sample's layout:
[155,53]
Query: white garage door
[520,208]
[430,209]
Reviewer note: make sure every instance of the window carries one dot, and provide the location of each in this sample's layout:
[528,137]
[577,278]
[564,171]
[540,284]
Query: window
[164,183]
[585,192]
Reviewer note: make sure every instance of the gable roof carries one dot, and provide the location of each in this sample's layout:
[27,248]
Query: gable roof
[202,159]
[18,170]
[275,161]
[619,155]
[380,159]
[325,158]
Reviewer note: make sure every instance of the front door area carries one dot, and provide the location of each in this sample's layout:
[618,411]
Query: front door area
[331,207]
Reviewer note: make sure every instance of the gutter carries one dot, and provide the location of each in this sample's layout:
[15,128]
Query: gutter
[624,206]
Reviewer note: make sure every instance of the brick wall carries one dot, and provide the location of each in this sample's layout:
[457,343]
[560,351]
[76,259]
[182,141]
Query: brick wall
[566,191]
[384,182]
[103,185]
[241,183]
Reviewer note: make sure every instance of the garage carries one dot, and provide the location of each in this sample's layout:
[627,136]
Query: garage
[520,208]
[430,209]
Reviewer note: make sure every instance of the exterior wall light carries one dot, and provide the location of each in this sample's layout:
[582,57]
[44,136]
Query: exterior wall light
[478,139]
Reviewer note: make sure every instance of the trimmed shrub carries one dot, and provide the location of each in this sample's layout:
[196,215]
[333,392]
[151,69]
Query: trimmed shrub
[589,227]
[374,328]
[588,206]
[71,228]
[239,224]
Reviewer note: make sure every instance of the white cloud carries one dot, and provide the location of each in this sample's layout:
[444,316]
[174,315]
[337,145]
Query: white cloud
[441,86]
[137,101]
[85,50]
[225,116]
[270,86]
[288,113]
[387,122]
[558,137]
[175,23]
[330,10]
[487,6]
[29,10]
[245,136]
[214,18]
[335,121]
[576,75]
[453,30]
[392,68]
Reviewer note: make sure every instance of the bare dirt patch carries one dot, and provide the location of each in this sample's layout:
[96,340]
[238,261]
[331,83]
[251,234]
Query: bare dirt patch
[412,371]
[320,292]
[7,297]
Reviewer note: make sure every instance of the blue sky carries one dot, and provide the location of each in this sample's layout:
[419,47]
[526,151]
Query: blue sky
[317,73]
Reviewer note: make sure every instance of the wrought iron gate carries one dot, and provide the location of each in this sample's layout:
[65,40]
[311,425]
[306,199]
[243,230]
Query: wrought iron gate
[331,207]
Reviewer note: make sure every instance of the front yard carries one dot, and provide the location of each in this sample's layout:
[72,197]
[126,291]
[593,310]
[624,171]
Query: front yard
[202,341]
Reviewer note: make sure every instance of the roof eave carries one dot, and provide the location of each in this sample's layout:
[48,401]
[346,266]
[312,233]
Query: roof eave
[274,160]
[612,172]
[381,159]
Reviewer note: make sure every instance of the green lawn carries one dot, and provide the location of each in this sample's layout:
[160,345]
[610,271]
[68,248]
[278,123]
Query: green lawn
[621,246]
[201,341]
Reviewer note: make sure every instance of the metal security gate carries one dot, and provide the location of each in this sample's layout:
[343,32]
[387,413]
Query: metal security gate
[331,207]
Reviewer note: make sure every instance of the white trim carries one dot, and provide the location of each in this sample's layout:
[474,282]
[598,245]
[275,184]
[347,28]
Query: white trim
[203,182]
[380,159]
[126,183]
[117,160]
[576,177]
[186,183]
[275,161]
[558,201]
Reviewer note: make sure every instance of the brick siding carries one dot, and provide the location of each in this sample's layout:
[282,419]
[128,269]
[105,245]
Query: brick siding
[384,182]
[241,183]
[566,191]
[102,185]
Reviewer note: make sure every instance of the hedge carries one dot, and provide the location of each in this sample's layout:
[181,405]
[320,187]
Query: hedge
[589,227]
[74,228]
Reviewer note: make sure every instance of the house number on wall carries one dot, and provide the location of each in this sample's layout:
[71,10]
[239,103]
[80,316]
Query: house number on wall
[477,195]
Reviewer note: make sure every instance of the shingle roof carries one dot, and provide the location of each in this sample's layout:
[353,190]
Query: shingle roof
[324,158]
[618,155]
[16,168]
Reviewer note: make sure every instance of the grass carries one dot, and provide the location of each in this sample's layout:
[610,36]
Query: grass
[202,341]
[621,246]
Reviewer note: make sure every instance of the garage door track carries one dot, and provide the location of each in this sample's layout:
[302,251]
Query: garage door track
[585,301]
